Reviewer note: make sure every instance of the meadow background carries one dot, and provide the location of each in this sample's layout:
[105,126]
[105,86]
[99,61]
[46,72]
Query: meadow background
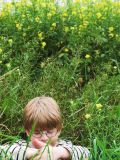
[72,53]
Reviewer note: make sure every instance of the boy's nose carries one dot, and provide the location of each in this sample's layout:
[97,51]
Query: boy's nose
[44,138]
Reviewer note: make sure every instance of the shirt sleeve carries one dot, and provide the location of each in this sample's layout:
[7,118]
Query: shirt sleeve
[16,151]
[76,152]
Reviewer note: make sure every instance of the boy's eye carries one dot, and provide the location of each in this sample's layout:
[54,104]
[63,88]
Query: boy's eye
[49,131]
[37,132]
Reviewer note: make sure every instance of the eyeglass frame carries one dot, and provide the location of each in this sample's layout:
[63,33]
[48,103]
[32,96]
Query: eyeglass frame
[41,133]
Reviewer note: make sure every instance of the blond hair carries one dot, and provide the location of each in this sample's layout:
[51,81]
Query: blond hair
[44,112]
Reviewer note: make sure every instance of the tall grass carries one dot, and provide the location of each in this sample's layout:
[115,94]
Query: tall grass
[72,54]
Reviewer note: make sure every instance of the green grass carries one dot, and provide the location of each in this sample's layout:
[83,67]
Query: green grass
[62,71]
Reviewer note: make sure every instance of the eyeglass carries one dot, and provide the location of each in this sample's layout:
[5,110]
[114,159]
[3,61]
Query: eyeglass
[49,134]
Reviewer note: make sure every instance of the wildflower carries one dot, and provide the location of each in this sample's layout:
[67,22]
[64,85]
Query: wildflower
[87,116]
[54,25]
[111,35]
[23,16]
[53,13]
[8,6]
[18,26]
[85,23]
[99,106]
[43,44]
[87,56]
[43,5]
[49,15]
[76,1]
[65,14]
[40,35]
[10,41]
[111,29]
[99,15]
[1,50]
[37,19]
[66,49]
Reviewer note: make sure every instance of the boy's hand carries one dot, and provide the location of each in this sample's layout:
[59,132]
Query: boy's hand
[47,152]
[37,144]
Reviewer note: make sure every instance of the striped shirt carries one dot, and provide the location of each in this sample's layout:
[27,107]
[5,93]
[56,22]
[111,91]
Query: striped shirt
[17,151]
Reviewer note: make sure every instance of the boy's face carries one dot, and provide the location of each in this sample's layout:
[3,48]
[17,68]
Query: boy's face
[45,135]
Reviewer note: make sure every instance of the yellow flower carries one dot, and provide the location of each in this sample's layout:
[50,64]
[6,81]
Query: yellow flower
[85,23]
[40,35]
[99,106]
[76,1]
[18,26]
[43,44]
[43,5]
[53,13]
[54,25]
[66,49]
[99,15]
[23,16]
[87,56]
[111,29]
[37,19]
[111,35]
[1,50]
[49,15]
[87,116]
[64,14]
[10,41]
[8,6]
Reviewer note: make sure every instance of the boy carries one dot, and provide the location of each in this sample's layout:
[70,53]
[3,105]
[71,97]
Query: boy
[43,124]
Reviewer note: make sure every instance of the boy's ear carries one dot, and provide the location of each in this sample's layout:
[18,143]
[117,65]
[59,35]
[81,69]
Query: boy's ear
[59,132]
[62,126]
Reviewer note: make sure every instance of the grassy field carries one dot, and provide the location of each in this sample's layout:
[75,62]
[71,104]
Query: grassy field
[72,54]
